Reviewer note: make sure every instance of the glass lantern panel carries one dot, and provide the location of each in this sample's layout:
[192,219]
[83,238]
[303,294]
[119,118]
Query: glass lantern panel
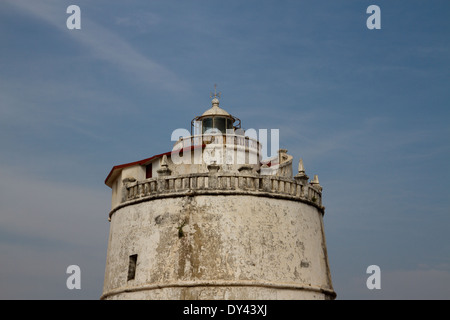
[230,124]
[207,124]
[220,124]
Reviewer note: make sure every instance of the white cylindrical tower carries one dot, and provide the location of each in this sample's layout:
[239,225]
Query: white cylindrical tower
[216,228]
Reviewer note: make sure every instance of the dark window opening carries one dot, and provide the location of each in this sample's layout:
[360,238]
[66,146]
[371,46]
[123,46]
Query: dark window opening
[132,267]
[148,171]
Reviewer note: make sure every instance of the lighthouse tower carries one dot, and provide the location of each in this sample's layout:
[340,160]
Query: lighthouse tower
[211,220]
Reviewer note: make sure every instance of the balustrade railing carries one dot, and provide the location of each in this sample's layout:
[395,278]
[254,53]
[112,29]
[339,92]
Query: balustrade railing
[204,182]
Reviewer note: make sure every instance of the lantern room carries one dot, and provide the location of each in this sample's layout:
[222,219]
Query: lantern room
[215,120]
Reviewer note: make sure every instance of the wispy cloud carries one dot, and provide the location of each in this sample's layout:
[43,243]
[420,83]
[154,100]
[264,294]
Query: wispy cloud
[140,21]
[106,45]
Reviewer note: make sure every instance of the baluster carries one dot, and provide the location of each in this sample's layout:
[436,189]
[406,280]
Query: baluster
[241,183]
[144,189]
[189,182]
[233,183]
[256,183]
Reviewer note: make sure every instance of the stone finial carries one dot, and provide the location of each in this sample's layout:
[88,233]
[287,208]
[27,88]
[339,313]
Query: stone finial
[315,183]
[164,162]
[164,171]
[301,168]
[301,176]
[315,180]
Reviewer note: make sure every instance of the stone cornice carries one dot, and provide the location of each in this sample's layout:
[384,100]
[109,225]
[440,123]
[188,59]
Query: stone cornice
[219,184]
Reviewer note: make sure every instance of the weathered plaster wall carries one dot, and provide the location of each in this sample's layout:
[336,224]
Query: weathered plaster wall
[218,247]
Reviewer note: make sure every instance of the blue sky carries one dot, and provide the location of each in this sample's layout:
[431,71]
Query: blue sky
[367,110]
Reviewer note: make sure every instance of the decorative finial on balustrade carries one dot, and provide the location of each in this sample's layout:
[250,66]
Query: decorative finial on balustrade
[164,162]
[301,168]
[164,171]
[301,176]
[315,180]
[315,183]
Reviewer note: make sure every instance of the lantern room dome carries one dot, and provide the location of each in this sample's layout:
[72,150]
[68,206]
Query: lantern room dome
[215,110]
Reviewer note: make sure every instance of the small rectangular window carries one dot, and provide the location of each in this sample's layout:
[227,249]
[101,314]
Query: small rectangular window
[148,171]
[132,267]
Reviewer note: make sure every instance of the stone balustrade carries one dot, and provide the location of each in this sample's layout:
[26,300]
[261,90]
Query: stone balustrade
[221,184]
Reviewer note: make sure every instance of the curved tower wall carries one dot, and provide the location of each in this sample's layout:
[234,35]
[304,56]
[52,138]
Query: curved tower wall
[218,236]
